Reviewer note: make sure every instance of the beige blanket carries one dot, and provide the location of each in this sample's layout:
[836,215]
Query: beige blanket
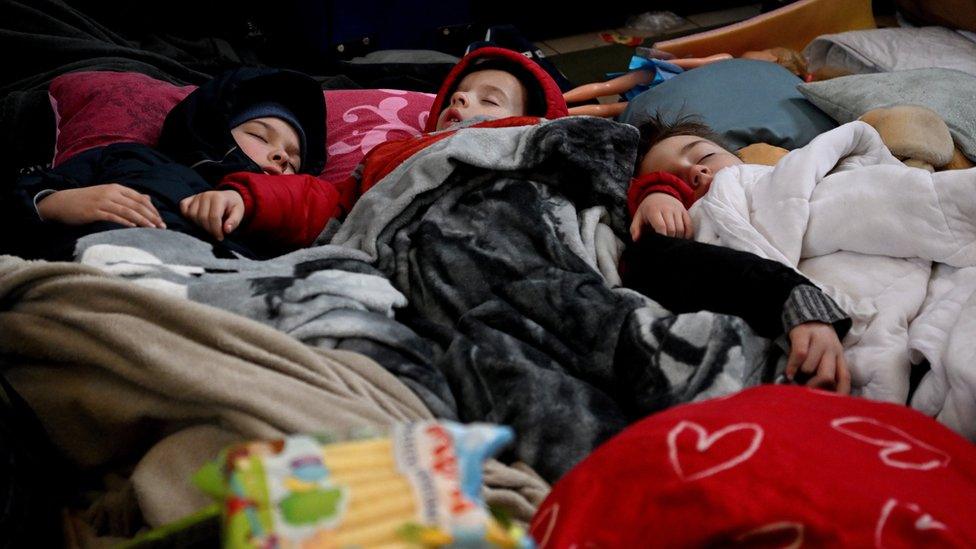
[122,375]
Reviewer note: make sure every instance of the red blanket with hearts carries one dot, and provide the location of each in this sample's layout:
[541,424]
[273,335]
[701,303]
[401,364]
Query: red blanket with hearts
[771,466]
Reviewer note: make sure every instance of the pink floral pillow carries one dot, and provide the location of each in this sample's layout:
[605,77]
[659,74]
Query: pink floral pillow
[358,120]
[94,109]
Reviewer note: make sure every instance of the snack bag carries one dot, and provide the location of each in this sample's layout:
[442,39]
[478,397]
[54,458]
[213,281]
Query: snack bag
[419,487]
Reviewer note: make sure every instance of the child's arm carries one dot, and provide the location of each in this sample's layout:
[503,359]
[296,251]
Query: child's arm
[686,276]
[660,200]
[290,209]
[67,195]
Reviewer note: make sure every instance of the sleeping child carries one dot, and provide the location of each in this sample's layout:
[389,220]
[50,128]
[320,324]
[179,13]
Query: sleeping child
[675,166]
[490,87]
[676,163]
[895,245]
[247,120]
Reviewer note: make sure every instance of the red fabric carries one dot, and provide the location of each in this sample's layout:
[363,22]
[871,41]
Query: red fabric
[658,182]
[555,104]
[781,466]
[294,209]
[288,209]
[95,108]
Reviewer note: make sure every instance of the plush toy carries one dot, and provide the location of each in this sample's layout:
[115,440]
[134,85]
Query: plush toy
[915,135]
[959,161]
[761,153]
[789,59]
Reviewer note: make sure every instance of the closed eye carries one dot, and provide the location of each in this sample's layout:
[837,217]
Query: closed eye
[261,137]
[490,102]
[706,156]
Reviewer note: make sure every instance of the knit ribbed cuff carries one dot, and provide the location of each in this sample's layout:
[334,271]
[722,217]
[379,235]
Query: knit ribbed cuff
[809,304]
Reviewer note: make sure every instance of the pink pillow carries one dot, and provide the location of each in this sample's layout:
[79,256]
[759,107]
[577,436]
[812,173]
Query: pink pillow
[358,120]
[773,466]
[94,109]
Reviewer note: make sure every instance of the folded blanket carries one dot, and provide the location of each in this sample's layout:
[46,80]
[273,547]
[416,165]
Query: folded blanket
[121,375]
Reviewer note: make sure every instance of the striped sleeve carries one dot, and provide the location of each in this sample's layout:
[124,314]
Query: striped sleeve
[809,304]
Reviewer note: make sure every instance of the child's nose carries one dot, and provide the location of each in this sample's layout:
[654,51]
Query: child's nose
[700,175]
[280,159]
[459,99]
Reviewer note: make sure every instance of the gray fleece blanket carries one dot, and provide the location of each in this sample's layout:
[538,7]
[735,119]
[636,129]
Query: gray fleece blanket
[328,297]
[502,242]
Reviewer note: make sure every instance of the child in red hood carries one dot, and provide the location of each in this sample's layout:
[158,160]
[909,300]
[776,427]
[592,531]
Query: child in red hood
[489,87]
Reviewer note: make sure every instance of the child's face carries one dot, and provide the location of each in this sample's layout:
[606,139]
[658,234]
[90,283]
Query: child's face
[490,93]
[271,143]
[691,158]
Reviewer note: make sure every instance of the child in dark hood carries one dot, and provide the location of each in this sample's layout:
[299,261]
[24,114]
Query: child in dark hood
[489,87]
[247,120]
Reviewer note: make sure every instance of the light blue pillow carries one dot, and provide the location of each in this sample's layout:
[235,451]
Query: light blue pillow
[743,100]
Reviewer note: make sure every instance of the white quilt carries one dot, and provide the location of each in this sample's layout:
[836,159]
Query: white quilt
[895,246]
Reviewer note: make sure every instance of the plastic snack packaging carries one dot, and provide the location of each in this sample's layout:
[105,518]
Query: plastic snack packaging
[418,487]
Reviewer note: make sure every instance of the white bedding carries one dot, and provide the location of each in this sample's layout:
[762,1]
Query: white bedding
[895,246]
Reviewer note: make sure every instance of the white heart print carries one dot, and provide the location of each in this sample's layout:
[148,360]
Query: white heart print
[705,442]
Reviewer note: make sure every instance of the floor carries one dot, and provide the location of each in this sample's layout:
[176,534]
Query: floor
[588,57]
[691,24]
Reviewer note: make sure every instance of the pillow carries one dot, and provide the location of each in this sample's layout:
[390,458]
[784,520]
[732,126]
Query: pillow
[894,49]
[744,100]
[772,466]
[948,92]
[358,120]
[94,109]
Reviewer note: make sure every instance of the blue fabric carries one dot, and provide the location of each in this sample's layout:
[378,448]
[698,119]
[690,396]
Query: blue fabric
[743,100]
[662,71]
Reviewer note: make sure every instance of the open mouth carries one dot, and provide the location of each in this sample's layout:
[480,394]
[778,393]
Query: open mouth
[453,116]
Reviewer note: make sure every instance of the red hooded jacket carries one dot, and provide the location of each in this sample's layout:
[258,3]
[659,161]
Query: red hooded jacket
[293,209]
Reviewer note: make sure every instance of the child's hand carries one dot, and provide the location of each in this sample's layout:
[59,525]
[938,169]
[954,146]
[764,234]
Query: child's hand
[218,212]
[665,214]
[110,202]
[816,351]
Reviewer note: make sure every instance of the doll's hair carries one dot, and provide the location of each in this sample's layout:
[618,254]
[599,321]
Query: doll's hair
[660,127]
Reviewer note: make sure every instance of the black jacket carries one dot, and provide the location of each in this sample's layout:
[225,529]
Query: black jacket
[196,150]
[686,276]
